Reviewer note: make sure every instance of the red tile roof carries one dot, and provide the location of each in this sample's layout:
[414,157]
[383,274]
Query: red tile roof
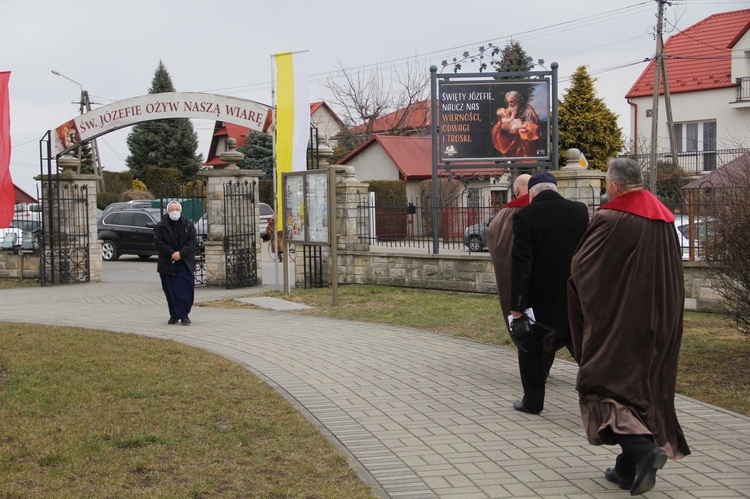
[22,196]
[231,130]
[418,117]
[699,57]
[239,133]
[413,157]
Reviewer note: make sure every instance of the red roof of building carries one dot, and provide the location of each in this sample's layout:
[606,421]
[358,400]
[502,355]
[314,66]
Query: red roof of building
[413,157]
[699,57]
[239,133]
[231,130]
[22,196]
[418,117]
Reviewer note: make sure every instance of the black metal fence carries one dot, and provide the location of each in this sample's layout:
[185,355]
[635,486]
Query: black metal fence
[240,237]
[462,222]
[697,162]
[64,238]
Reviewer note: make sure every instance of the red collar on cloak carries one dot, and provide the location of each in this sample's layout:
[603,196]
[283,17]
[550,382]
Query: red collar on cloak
[641,203]
[518,202]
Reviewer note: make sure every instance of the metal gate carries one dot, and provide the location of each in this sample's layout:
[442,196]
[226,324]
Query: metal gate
[64,237]
[312,256]
[192,197]
[239,237]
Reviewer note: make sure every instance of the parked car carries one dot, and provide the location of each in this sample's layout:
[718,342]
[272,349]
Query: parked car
[201,226]
[24,230]
[140,203]
[128,232]
[475,236]
[266,214]
[701,232]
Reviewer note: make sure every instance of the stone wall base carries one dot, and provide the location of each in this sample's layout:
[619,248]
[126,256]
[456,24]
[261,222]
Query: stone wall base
[19,264]
[473,274]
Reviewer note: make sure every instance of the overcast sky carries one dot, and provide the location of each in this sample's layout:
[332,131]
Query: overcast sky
[112,48]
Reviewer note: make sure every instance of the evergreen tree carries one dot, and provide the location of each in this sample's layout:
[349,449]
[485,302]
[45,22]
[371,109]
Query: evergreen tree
[87,157]
[258,151]
[166,143]
[513,58]
[585,122]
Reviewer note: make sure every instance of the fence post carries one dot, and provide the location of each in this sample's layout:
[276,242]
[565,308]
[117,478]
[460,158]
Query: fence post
[578,183]
[217,221]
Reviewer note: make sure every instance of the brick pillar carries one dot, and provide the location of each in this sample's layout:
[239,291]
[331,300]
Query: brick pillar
[217,221]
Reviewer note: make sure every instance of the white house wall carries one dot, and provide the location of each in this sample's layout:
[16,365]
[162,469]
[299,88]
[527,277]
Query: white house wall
[374,164]
[741,57]
[732,125]
[327,125]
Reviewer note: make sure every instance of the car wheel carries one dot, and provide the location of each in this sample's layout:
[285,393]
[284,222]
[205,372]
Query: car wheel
[109,251]
[144,257]
[475,243]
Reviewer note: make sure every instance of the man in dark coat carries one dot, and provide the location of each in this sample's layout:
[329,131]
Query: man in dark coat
[176,239]
[545,235]
[500,241]
[626,296]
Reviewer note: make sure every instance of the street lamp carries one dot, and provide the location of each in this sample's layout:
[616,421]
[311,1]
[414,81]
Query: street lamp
[69,79]
[85,105]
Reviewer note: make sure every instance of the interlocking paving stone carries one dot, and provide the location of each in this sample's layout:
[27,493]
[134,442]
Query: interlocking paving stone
[418,414]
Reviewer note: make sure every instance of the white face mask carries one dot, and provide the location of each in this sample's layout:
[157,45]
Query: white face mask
[174,215]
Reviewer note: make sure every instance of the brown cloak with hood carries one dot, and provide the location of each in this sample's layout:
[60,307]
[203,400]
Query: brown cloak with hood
[625,299]
[500,244]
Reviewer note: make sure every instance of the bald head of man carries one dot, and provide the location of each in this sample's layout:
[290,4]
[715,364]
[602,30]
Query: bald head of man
[521,185]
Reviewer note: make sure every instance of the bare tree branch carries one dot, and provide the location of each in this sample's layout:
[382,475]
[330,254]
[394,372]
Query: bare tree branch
[363,96]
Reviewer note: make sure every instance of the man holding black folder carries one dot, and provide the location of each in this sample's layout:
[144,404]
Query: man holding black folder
[545,235]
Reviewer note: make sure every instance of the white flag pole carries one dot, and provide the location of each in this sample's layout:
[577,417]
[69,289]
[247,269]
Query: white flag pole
[275,235]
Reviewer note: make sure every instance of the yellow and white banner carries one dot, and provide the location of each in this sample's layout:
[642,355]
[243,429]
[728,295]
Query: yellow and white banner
[292,116]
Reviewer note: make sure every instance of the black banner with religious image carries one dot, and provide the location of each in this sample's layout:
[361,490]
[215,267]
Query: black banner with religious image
[494,120]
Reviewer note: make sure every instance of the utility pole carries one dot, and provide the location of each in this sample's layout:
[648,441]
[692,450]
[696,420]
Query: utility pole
[655,106]
[84,106]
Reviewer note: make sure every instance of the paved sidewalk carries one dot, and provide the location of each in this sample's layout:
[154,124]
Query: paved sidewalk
[418,414]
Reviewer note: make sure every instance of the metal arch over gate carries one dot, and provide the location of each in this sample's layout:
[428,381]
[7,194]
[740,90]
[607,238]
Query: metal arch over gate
[194,105]
[240,238]
[63,258]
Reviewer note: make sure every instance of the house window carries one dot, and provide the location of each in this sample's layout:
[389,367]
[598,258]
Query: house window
[698,137]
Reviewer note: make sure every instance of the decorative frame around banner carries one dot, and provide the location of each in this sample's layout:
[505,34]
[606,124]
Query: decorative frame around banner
[306,202]
[495,119]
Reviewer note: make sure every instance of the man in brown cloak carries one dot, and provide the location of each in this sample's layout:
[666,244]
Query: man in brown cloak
[500,241]
[625,299]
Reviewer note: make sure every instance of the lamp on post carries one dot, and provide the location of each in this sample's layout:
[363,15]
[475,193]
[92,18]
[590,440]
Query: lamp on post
[85,106]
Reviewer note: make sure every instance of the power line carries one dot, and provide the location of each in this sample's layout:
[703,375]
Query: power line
[548,30]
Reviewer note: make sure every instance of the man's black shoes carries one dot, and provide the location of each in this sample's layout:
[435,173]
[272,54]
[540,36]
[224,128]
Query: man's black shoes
[614,477]
[186,321]
[172,320]
[518,405]
[645,476]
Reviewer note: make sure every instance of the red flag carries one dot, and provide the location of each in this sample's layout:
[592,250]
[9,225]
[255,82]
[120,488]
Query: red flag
[7,194]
